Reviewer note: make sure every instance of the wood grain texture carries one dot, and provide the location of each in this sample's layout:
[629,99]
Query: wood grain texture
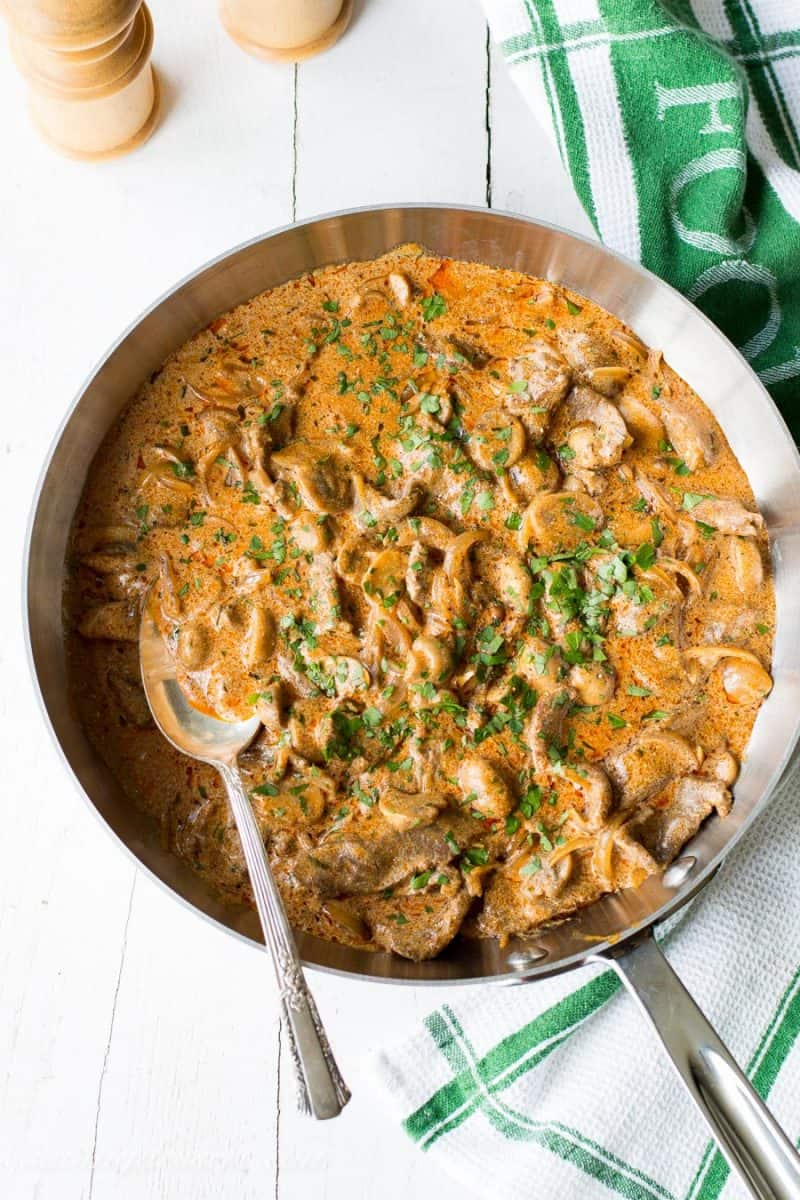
[140,1054]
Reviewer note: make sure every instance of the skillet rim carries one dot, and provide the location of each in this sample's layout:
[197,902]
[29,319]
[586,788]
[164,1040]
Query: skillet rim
[512,973]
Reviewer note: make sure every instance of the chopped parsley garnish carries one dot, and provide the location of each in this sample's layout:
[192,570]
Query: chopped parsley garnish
[433,306]
[182,470]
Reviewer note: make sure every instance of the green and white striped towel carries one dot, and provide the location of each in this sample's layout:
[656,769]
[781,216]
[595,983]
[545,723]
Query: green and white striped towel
[678,122]
[521,1096]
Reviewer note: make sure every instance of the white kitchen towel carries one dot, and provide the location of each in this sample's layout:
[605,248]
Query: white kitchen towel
[679,122]
[560,1089]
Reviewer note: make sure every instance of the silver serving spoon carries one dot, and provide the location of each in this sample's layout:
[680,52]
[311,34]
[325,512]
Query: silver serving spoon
[321,1090]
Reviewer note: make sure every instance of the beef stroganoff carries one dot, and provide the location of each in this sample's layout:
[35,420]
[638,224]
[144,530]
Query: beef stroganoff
[484,566]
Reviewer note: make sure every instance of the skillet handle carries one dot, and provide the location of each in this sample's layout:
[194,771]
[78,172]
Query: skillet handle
[749,1137]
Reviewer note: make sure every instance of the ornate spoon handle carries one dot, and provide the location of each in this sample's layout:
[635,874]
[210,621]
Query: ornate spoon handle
[321,1090]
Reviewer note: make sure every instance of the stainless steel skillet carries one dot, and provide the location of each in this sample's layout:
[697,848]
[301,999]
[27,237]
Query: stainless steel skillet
[617,928]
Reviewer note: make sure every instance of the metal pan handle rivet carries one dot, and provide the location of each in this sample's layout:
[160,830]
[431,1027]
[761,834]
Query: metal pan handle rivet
[521,960]
[679,872]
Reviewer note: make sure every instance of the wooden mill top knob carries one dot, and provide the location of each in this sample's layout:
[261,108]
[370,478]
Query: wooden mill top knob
[71,24]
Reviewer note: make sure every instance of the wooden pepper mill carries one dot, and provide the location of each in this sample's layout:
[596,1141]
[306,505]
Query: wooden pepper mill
[92,90]
[285,30]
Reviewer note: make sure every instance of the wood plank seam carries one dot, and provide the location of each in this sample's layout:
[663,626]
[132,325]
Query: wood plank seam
[488,117]
[295,84]
[107,1053]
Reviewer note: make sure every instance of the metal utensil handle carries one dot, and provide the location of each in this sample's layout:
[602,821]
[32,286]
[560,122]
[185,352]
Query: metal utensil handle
[748,1135]
[321,1090]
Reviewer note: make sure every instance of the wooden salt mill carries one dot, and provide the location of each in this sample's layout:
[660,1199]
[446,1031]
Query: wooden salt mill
[92,90]
[285,30]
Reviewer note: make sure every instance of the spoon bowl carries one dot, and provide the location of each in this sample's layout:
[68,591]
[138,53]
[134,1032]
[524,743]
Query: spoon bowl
[188,729]
[321,1090]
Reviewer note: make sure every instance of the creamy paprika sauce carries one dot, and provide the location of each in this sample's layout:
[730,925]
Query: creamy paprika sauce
[481,562]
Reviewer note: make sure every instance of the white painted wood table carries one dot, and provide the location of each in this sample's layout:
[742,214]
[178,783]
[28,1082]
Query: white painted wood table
[140,1053]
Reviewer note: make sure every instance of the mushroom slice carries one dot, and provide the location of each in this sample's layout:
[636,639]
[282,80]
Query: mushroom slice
[353,558]
[342,913]
[373,510]
[596,432]
[170,470]
[748,568]
[259,641]
[615,837]
[116,621]
[456,558]
[419,574]
[400,287]
[348,674]
[310,534]
[707,657]
[728,516]
[269,708]
[300,682]
[683,570]
[315,470]
[593,683]
[538,662]
[429,658]
[658,498]
[218,429]
[533,474]
[409,810]
[721,764]
[630,342]
[497,441]
[324,590]
[484,788]
[384,580]
[107,539]
[111,560]
[126,687]
[514,584]
[449,593]
[374,295]
[195,644]
[660,613]
[646,429]
[595,361]
[235,380]
[690,433]
[559,521]
[427,531]
[309,735]
[609,380]
[745,682]
[594,786]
